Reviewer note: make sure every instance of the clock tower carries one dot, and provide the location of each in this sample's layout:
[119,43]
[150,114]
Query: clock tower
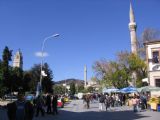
[18,60]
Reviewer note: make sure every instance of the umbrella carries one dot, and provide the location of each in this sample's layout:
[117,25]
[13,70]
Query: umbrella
[129,89]
[110,90]
[148,89]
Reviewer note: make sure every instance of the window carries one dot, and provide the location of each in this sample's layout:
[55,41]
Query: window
[155,55]
[157,81]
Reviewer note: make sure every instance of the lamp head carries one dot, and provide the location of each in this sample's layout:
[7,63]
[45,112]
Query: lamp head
[55,35]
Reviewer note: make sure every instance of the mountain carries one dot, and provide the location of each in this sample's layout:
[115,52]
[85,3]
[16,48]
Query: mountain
[69,81]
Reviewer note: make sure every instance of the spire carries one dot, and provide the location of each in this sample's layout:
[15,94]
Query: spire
[131,14]
[85,76]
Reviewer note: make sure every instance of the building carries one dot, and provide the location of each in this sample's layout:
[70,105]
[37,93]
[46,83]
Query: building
[94,84]
[153,62]
[18,60]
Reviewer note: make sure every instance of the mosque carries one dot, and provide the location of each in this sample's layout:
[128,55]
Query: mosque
[152,56]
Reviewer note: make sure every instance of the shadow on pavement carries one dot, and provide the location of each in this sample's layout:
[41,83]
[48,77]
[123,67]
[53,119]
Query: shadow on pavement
[103,115]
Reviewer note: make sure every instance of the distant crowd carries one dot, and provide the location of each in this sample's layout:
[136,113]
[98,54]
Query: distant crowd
[138,102]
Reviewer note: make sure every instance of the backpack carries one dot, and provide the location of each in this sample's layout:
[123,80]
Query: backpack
[29,110]
[20,110]
[11,111]
[101,99]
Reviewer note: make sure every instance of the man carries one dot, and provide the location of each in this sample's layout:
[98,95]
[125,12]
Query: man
[106,101]
[11,111]
[88,101]
[16,110]
[29,109]
[101,101]
[48,103]
[54,104]
[39,106]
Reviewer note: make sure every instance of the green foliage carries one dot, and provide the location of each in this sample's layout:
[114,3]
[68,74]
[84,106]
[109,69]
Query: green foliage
[16,81]
[90,89]
[118,73]
[11,79]
[80,88]
[46,81]
[59,89]
[1,72]
[72,88]
[6,57]
[85,90]
[28,83]
[2,90]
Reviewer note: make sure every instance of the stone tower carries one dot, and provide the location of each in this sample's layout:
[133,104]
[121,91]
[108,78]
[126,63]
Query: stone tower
[85,76]
[18,60]
[132,28]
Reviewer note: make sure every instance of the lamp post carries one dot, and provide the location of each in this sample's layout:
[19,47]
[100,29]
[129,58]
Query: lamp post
[42,52]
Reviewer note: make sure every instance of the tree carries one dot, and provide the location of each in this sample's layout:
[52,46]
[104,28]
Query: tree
[46,81]
[6,57]
[2,88]
[0,72]
[72,88]
[118,73]
[28,83]
[59,89]
[90,89]
[35,75]
[137,65]
[149,34]
[79,88]
[16,79]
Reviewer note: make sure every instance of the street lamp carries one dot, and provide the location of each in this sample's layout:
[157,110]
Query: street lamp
[42,52]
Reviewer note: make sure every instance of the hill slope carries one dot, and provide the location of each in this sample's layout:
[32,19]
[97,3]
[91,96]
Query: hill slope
[69,81]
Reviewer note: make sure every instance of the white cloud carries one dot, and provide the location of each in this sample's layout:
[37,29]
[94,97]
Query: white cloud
[39,54]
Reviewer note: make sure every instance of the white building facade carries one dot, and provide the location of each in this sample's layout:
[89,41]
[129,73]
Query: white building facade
[153,61]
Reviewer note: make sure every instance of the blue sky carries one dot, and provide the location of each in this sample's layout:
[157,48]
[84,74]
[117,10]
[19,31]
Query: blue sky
[89,30]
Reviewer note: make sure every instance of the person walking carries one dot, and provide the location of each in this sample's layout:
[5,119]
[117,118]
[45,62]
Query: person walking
[88,101]
[135,103]
[106,102]
[29,110]
[101,101]
[16,110]
[39,106]
[48,103]
[11,111]
[54,104]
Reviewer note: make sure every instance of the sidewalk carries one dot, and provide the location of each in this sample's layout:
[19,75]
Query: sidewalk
[76,111]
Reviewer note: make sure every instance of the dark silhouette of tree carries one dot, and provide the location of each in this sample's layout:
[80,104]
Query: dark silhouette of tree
[72,88]
[2,88]
[6,58]
[0,72]
[16,79]
[46,81]
[28,83]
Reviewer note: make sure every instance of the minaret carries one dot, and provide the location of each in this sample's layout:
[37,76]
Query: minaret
[132,28]
[18,60]
[85,76]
